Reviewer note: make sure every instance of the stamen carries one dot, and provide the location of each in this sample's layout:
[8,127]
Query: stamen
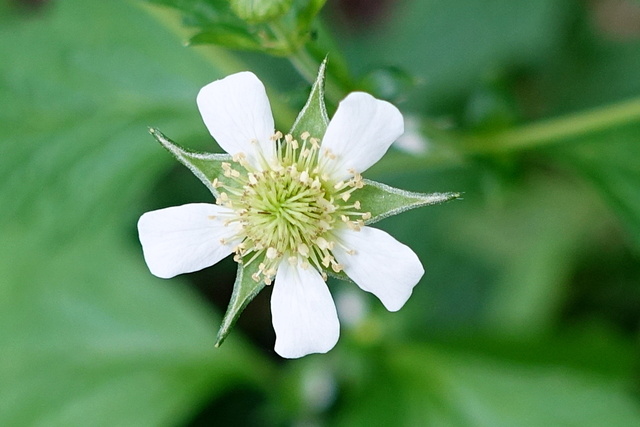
[286,210]
[272,253]
[303,250]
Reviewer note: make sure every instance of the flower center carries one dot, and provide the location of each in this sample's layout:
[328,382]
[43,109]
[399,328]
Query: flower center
[289,210]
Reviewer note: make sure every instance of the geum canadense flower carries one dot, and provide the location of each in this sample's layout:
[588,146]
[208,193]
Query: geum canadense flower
[288,205]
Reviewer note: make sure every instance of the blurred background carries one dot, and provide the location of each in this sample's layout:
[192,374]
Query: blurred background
[529,311]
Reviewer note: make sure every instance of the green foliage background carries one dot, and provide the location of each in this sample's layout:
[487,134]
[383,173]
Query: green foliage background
[528,313]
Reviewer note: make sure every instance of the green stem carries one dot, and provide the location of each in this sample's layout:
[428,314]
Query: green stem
[307,65]
[449,148]
[553,131]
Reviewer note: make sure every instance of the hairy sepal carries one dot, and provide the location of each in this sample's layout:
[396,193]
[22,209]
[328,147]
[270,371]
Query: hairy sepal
[205,166]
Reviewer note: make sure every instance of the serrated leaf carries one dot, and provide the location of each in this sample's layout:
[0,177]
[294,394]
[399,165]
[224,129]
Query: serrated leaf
[383,201]
[244,290]
[313,117]
[206,166]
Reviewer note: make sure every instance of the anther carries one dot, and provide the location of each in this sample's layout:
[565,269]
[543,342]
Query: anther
[303,250]
[322,243]
[272,253]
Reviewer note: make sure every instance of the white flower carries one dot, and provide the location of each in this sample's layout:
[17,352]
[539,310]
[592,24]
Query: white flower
[287,205]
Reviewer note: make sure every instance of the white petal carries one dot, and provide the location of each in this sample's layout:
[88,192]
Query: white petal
[304,316]
[236,111]
[360,132]
[380,265]
[183,239]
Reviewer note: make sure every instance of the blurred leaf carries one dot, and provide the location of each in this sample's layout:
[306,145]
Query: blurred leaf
[227,36]
[90,337]
[610,159]
[595,63]
[531,239]
[215,22]
[276,27]
[412,385]
[461,42]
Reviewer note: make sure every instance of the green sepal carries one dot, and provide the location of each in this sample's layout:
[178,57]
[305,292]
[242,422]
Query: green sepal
[383,201]
[244,290]
[206,166]
[313,117]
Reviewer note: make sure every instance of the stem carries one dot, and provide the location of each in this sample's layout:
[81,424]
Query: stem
[554,131]
[449,148]
[307,65]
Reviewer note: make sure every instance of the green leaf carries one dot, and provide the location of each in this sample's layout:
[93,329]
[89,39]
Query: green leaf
[89,336]
[313,116]
[244,290]
[609,160]
[441,387]
[383,201]
[206,166]
[227,36]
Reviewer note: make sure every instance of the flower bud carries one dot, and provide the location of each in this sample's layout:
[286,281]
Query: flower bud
[256,11]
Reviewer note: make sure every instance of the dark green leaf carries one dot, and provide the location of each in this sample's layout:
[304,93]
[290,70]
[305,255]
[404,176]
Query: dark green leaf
[429,386]
[89,336]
